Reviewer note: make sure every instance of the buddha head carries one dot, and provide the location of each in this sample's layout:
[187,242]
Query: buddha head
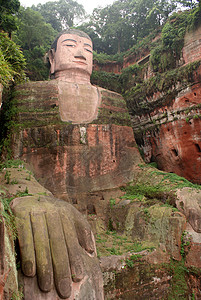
[71,56]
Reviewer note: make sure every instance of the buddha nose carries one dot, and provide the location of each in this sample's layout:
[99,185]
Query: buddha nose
[79,54]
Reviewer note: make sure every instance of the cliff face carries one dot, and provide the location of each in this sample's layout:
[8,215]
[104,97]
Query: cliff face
[84,163]
[165,105]
[8,273]
[156,242]
[80,163]
[192,46]
[74,159]
[167,124]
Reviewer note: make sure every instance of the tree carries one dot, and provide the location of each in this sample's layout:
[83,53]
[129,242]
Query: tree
[119,26]
[12,62]
[34,36]
[189,3]
[8,8]
[60,14]
[109,28]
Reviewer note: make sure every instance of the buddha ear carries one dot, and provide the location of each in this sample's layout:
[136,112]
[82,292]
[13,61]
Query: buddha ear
[51,55]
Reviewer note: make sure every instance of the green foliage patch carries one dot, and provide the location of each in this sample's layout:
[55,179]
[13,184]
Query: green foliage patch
[130,262]
[176,180]
[7,214]
[111,243]
[12,62]
[179,287]
[104,58]
[106,80]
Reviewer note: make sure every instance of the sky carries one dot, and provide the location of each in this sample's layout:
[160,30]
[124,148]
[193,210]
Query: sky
[89,5]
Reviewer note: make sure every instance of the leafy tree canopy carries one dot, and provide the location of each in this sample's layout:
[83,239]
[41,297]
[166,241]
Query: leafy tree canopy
[119,26]
[34,36]
[12,62]
[8,8]
[60,14]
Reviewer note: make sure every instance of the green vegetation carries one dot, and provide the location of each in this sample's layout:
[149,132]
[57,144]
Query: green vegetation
[179,287]
[61,14]
[139,191]
[6,198]
[112,202]
[153,186]
[103,58]
[12,62]
[185,244]
[166,55]
[107,116]
[34,36]
[120,26]
[17,296]
[106,80]
[7,215]
[8,125]
[12,163]
[111,243]
[174,180]
[8,21]
[130,262]
[166,82]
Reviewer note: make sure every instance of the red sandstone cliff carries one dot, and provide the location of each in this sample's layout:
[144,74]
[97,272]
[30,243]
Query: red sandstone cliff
[169,130]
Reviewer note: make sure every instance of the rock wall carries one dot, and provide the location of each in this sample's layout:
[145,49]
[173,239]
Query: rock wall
[8,272]
[169,131]
[111,66]
[157,245]
[192,46]
[74,159]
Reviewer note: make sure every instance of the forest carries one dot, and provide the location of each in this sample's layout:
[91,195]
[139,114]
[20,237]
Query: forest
[26,34]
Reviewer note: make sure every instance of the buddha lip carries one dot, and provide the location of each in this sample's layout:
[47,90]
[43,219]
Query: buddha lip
[80,62]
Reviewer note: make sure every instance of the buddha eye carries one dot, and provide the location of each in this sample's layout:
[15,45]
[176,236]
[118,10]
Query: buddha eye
[88,50]
[69,45]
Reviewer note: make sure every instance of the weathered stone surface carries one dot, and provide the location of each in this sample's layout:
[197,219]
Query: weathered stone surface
[176,148]
[111,67]
[192,46]
[158,273]
[8,273]
[78,162]
[143,281]
[47,249]
[156,227]
[189,203]
[71,159]
[75,105]
[172,137]
[193,249]
[170,132]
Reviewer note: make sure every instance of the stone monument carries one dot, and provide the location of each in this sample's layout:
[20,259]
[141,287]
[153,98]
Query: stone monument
[78,140]
[57,248]
[71,63]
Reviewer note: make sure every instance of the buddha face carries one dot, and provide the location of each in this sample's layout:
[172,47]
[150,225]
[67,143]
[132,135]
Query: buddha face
[73,54]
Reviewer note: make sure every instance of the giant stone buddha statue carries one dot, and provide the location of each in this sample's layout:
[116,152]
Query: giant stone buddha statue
[78,141]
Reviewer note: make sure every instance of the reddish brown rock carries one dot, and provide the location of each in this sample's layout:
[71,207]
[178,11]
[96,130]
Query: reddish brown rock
[176,148]
[74,159]
[171,134]
[192,46]
[189,203]
[111,67]
[8,273]
[192,249]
